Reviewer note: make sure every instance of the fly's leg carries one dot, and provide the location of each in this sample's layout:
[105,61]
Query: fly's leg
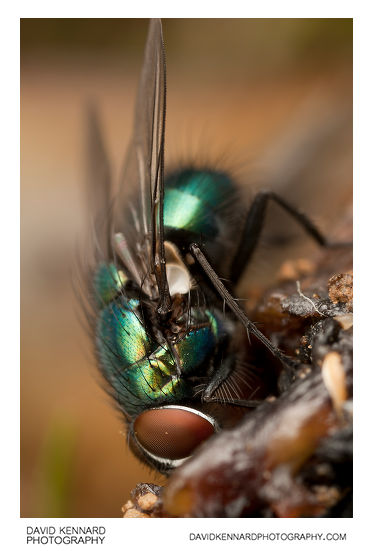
[254,225]
[239,313]
[220,375]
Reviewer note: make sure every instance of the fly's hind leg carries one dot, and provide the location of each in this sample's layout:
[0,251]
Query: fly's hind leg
[254,225]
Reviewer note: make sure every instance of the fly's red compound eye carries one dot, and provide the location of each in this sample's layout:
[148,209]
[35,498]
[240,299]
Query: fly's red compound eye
[172,433]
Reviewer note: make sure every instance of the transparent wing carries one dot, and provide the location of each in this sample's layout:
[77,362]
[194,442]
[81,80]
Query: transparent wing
[98,176]
[141,223]
[96,244]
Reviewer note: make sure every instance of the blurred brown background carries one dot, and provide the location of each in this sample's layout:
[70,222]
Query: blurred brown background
[252,90]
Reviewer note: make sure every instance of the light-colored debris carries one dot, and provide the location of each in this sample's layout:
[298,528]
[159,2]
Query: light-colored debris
[135,513]
[147,501]
[340,288]
[345,321]
[334,379]
[294,269]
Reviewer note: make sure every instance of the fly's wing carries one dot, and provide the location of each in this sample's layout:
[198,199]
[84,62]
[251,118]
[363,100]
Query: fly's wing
[139,236]
[98,177]
[96,247]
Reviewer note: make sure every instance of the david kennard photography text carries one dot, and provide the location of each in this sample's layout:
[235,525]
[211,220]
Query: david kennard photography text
[65,534]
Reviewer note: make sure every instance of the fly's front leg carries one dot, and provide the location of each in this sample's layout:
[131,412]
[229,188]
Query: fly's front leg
[219,377]
[236,309]
[254,225]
